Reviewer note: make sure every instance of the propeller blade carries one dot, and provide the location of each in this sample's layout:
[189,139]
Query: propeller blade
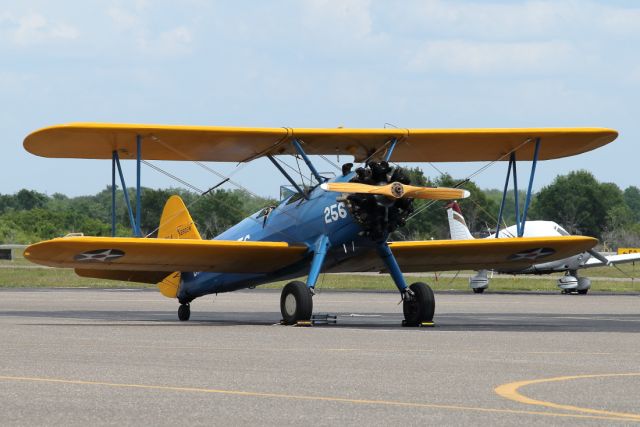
[435,193]
[397,190]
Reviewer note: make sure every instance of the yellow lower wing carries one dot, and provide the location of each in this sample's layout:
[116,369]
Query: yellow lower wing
[124,255]
[497,254]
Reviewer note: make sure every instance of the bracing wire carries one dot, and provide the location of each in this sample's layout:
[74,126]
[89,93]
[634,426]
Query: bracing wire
[468,178]
[200,195]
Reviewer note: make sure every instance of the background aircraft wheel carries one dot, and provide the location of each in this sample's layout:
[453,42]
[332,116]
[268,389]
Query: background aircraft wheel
[583,291]
[421,307]
[296,303]
[478,290]
[184,312]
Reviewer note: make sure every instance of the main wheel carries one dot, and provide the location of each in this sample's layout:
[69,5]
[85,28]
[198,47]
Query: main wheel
[296,303]
[184,312]
[478,290]
[421,307]
[583,291]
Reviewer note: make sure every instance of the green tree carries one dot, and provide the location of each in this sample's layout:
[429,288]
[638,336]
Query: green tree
[632,199]
[29,199]
[579,203]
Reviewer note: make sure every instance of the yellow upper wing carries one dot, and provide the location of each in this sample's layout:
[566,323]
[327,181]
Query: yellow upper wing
[237,144]
[168,255]
[498,254]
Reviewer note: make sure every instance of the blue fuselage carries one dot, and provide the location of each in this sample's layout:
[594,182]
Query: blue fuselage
[294,220]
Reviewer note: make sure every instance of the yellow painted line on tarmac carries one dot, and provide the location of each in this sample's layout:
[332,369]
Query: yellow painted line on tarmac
[511,391]
[311,398]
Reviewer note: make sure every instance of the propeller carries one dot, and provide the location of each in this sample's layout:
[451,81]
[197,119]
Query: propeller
[397,190]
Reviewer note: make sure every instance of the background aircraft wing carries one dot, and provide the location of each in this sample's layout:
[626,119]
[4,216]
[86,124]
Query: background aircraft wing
[613,259]
[443,255]
[238,144]
[122,256]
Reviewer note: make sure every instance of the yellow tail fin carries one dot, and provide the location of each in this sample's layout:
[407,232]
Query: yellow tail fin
[176,222]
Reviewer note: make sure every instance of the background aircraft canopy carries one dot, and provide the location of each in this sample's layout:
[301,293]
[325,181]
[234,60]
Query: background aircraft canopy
[237,144]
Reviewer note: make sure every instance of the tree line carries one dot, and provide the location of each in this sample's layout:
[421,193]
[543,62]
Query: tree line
[577,201]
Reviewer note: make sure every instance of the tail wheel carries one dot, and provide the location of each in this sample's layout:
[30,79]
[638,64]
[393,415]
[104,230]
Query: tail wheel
[421,307]
[296,303]
[478,290]
[184,312]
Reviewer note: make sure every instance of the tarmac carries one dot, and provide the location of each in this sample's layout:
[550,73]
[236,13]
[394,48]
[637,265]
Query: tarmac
[106,357]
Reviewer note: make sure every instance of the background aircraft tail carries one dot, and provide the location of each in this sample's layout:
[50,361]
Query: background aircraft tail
[457,225]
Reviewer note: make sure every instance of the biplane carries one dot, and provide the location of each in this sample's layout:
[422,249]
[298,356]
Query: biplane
[339,224]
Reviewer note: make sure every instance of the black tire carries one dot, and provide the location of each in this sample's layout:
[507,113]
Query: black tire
[478,290]
[184,312]
[296,303]
[583,291]
[422,307]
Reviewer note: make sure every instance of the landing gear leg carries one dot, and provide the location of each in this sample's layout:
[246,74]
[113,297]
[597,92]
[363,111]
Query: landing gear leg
[418,301]
[184,312]
[296,301]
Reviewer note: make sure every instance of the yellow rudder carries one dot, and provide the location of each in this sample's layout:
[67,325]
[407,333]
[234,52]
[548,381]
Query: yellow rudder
[175,223]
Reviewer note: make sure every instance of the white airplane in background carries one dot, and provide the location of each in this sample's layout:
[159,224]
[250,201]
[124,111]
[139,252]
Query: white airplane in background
[569,283]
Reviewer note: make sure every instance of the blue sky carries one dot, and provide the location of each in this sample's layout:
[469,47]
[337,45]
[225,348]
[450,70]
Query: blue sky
[318,63]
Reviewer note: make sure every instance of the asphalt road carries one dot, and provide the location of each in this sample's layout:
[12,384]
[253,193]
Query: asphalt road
[103,357]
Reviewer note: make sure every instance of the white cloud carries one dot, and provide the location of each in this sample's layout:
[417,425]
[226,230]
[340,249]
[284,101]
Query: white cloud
[344,17]
[35,29]
[123,19]
[173,41]
[178,37]
[522,20]
[467,57]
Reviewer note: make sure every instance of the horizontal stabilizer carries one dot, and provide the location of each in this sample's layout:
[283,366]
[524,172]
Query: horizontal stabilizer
[612,260]
[123,275]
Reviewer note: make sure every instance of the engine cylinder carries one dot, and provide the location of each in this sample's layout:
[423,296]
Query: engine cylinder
[379,215]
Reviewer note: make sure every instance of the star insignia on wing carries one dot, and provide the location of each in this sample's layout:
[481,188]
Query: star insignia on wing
[100,255]
[532,254]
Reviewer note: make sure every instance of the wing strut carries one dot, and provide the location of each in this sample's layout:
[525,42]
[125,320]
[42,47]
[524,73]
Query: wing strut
[528,199]
[520,220]
[115,164]
[286,175]
[298,147]
[389,152]
[134,226]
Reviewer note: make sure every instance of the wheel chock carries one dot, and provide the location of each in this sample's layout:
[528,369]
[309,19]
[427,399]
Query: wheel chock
[421,324]
[304,323]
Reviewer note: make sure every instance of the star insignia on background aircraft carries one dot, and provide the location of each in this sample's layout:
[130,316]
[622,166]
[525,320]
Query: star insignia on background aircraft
[532,254]
[335,224]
